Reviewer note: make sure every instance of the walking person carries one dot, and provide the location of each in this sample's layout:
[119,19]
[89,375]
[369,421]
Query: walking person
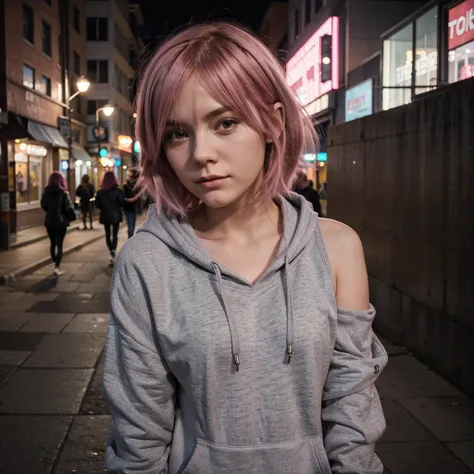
[109,200]
[58,213]
[240,336]
[130,205]
[86,191]
[303,187]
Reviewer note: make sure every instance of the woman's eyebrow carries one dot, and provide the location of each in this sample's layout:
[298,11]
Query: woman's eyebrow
[210,115]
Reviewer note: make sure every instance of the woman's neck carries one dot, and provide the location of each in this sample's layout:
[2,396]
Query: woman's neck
[241,221]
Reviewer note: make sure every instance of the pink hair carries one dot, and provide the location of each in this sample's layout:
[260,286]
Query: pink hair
[109,181]
[56,180]
[242,74]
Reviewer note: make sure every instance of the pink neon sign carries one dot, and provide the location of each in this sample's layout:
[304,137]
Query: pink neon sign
[304,67]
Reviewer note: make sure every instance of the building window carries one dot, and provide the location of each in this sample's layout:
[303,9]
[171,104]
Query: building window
[307,11]
[426,51]
[297,23]
[76,19]
[97,29]
[47,46]
[28,76]
[28,172]
[28,24]
[410,61]
[79,105]
[98,71]
[94,105]
[318,4]
[77,64]
[45,85]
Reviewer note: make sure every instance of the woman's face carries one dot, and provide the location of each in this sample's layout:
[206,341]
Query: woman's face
[214,153]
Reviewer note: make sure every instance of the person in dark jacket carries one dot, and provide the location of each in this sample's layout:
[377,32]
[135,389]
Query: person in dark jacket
[57,206]
[131,201]
[109,200]
[303,188]
[86,192]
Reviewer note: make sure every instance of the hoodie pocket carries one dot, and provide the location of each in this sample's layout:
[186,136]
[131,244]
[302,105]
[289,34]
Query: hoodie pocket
[306,456]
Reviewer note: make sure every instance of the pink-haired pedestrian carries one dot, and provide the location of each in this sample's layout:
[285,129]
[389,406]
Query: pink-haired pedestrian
[58,213]
[240,337]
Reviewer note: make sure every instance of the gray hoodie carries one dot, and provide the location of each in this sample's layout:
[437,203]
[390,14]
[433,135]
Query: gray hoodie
[207,373]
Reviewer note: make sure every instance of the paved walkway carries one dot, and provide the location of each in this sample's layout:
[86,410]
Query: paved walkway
[53,418]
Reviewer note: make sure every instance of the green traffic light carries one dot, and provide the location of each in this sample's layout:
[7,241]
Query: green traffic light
[103,152]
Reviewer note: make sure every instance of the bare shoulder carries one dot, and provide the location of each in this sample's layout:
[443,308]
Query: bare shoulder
[339,238]
[347,260]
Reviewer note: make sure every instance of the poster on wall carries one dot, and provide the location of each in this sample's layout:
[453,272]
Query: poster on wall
[359,101]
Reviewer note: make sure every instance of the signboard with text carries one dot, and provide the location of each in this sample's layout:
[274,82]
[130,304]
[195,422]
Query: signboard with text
[461,24]
[359,100]
[304,67]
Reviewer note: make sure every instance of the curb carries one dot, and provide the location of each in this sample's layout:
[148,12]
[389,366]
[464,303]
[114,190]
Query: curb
[4,279]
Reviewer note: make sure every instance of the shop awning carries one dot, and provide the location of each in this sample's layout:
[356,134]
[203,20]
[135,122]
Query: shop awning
[79,153]
[46,134]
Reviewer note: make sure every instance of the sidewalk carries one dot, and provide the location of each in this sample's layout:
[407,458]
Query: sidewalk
[54,419]
[26,259]
[34,234]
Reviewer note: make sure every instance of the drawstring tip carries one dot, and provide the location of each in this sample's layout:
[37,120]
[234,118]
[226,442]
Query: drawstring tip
[237,362]
[289,351]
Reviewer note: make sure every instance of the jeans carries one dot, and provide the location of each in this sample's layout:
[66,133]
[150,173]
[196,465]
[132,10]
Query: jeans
[111,242]
[56,238]
[131,217]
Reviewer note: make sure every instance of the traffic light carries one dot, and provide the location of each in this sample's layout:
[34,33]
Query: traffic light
[326,58]
[103,152]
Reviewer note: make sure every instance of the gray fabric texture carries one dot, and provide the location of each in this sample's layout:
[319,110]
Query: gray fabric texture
[207,373]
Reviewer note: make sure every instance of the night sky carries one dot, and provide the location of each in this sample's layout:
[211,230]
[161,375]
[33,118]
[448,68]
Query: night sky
[164,16]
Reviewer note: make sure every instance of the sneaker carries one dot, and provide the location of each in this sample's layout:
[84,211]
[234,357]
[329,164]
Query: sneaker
[58,271]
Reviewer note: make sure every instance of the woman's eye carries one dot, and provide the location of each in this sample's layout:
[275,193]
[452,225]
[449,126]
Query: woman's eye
[227,125]
[176,136]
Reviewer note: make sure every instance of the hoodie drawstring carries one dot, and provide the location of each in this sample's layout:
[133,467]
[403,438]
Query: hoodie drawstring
[290,325]
[234,335]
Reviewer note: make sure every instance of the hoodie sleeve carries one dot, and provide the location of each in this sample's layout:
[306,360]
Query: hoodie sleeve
[137,382]
[352,414]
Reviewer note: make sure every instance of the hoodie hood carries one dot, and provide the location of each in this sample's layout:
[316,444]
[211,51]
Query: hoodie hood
[299,226]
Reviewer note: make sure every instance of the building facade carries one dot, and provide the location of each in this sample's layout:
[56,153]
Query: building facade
[112,54]
[426,51]
[327,40]
[31,142]
[274,28]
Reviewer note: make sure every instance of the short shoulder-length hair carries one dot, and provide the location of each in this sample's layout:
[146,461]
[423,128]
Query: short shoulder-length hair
[242,74]
[109,181]
[56,180]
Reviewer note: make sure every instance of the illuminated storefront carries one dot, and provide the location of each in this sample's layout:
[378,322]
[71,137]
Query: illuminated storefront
[414,52]
[30,174]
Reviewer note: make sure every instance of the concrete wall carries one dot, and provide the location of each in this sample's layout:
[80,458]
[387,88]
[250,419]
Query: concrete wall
[404,179]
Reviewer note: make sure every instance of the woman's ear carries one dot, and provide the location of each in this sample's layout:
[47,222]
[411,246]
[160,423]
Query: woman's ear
[278,111]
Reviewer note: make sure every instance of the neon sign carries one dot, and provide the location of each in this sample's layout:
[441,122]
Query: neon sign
[304,67]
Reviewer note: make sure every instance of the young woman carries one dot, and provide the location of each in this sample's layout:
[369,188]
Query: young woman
[109,200]
[240,336]
[58,209]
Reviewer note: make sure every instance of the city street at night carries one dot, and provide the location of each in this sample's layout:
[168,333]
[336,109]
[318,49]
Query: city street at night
[237,237]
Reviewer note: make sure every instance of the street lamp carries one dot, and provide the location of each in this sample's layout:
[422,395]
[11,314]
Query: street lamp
[82,86]
[107,110]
